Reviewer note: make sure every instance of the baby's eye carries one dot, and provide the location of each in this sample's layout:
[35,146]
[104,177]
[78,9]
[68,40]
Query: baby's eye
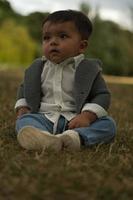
[63,35]
[46,37]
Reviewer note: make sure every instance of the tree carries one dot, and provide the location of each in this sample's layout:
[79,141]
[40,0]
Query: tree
[16,44]
[85,8]
[112,45]
[34,23]
[131,15]
[6,11]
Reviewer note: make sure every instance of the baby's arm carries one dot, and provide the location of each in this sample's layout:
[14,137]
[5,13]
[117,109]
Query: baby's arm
[95,107]
[82,120]
[21,106]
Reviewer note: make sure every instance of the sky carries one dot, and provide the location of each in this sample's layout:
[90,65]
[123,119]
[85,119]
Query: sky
[115,10]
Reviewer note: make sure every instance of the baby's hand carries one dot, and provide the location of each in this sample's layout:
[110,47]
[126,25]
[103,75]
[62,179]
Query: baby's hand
[82,120]
[22,110]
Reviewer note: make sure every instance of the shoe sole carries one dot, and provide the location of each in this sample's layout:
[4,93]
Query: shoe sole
[69,144]
[32,138]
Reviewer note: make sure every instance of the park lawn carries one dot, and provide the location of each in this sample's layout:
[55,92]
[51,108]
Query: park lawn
[104,172]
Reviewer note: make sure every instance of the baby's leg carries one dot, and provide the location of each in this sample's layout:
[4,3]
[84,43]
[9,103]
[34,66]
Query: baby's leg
[36,120]
[34,133]
[103,130]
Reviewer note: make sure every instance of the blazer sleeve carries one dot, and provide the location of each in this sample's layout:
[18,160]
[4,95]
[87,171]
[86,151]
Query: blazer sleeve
[35,69]
[100,93]
[20,92]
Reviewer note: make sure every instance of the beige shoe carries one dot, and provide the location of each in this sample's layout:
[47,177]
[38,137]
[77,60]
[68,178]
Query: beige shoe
[32,138]
[71,140]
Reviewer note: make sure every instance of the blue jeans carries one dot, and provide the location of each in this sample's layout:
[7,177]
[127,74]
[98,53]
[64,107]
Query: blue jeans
[103,130]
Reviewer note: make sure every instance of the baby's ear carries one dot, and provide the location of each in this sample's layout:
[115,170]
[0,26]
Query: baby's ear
[83,46]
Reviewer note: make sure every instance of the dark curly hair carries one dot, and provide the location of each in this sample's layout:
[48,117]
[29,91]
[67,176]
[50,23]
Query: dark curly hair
[81,21]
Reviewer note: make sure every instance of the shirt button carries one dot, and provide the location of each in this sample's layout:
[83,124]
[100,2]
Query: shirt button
[59,108]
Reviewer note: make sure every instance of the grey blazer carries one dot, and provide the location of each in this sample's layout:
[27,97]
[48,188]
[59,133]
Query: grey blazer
[89,86]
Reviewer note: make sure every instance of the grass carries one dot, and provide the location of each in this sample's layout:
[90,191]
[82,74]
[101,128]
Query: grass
[104,172]
[119,79]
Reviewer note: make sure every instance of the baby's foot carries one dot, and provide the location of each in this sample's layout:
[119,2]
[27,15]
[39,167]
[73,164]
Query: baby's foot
[32,138]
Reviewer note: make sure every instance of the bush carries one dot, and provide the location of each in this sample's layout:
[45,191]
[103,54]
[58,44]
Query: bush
[16,44]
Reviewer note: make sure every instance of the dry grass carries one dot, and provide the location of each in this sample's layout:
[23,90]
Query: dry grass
[119,79]
[100,173]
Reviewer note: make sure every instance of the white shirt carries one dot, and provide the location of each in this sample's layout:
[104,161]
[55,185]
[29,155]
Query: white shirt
[57,86]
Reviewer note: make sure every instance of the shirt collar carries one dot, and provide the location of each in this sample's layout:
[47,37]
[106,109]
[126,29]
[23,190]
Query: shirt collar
[78,59]
[72,60]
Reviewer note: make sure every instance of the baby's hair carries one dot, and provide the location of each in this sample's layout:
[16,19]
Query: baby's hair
[81,21]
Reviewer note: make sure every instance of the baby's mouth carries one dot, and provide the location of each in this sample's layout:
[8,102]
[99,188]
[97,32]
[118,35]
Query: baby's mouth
[54,51]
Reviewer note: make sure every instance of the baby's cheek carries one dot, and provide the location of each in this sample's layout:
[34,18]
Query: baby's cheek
[45,50]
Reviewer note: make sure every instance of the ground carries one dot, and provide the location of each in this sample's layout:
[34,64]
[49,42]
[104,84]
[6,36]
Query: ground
[104,172]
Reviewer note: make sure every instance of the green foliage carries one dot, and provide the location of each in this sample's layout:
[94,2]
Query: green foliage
[5,9]
[16,44]
[6,12]
[112,45]
[85,8]
[34,23]
[22,43]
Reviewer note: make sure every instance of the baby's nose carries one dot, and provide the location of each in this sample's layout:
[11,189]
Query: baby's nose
[54,41]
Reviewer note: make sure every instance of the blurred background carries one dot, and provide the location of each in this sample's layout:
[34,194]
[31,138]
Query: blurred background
[111,41]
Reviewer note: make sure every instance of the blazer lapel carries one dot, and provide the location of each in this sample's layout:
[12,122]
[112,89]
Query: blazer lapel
[85,75]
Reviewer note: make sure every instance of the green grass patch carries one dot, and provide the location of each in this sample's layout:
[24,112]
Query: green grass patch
[104,172]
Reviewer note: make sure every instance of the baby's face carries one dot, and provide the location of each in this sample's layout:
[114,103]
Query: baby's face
[61,41]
